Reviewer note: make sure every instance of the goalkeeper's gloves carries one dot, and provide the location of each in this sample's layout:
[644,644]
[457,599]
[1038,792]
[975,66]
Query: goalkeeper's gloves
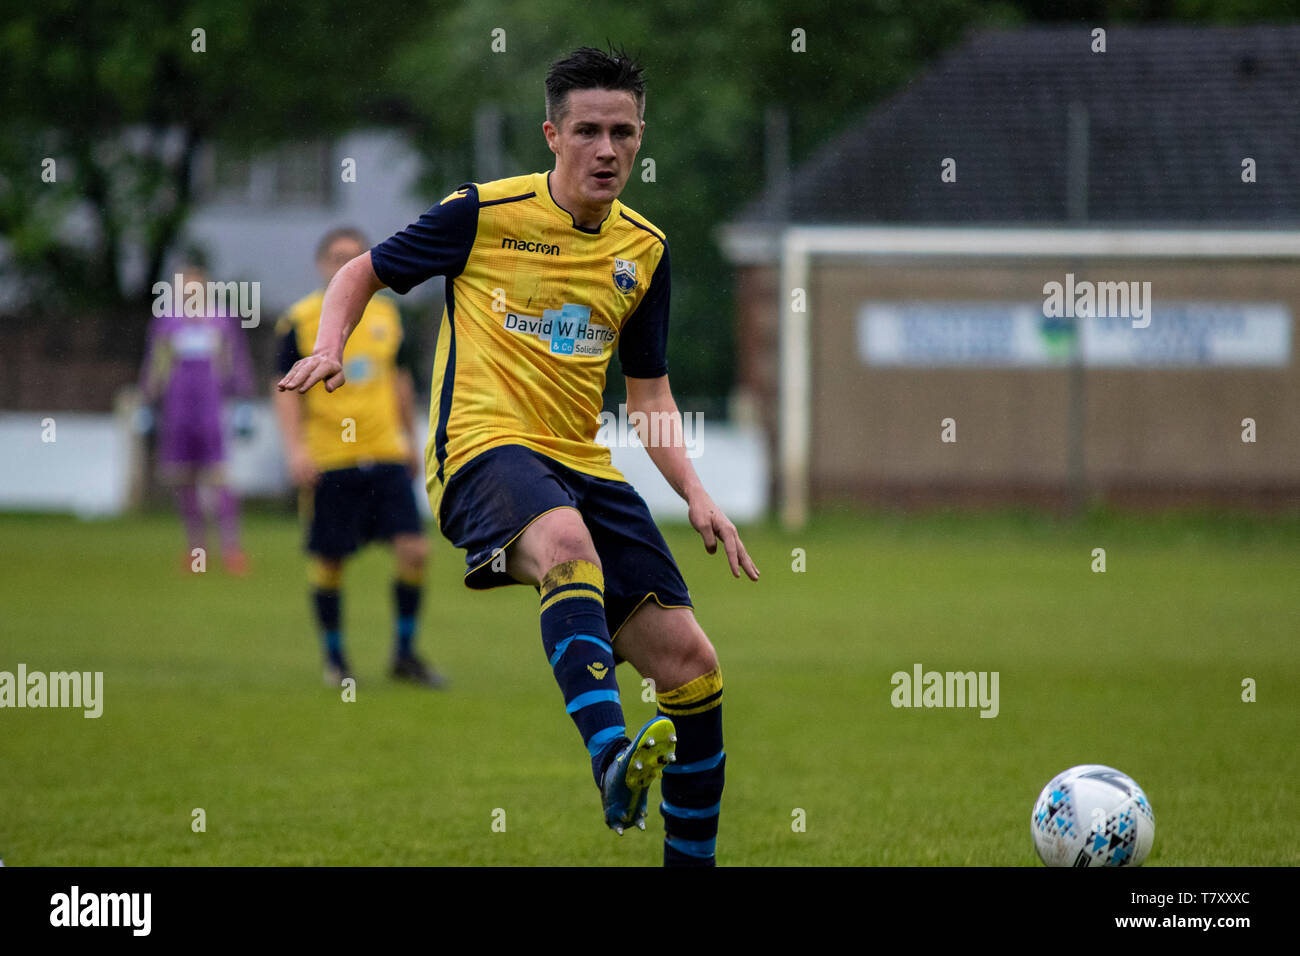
[241,418]
[142,422]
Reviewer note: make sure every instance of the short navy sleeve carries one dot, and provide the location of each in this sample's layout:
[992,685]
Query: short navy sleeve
[287,354]
[643,341]
[437,244]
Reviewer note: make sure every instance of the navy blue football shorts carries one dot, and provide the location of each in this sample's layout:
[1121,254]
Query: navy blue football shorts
[491,500]
[352,506]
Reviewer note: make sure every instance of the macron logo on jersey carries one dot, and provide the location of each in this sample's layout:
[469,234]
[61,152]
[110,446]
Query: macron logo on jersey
[521,245]
[566,331]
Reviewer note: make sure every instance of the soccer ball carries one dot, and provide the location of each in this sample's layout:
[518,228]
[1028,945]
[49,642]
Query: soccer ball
[1093,816]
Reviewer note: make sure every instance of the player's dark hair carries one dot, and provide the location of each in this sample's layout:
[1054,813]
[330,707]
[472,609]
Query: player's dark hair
[342,232]
[590,69]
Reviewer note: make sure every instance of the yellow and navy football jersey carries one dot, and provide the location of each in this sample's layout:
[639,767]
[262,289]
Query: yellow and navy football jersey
[361,422]
[535,307]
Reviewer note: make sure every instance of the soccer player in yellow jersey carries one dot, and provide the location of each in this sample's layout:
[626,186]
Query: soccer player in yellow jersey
[353,456]
[546,275]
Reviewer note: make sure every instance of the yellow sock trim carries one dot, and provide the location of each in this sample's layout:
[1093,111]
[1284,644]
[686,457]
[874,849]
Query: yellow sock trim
[681,700]
[574,593]
[410,576]
[324,576]
[572,572]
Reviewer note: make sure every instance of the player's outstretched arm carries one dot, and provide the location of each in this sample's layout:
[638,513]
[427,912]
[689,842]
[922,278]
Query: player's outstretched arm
[288,411]
[345,301]
[406,415]
[660,428]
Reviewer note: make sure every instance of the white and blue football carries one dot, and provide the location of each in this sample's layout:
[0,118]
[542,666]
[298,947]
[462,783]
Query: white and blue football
[1092,815]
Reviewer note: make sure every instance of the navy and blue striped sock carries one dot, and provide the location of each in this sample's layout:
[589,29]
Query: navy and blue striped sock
[692,787]
[576,640]
[327,601]
[406,597]
[328,604]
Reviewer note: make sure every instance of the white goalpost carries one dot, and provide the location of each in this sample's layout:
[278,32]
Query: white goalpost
[800,246]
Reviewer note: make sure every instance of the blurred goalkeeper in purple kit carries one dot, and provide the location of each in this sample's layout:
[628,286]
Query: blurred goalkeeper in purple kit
[193,364]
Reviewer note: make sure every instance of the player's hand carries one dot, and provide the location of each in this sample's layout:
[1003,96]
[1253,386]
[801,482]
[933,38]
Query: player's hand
[415,463]
[707,518]
[302,469]
[306,372]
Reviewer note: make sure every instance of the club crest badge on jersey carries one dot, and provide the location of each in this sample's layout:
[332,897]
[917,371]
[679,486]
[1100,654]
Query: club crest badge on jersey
[358,370]
[624,275]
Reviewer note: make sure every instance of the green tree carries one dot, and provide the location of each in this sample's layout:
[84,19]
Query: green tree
[122,96]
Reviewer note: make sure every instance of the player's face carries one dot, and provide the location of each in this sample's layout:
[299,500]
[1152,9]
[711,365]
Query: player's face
[595,146]
[340,253]
[192,273]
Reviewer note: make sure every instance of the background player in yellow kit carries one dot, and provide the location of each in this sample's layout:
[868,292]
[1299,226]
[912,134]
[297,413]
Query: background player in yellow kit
[546,275]
[353,455]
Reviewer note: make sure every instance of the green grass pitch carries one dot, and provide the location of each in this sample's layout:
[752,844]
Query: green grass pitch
[213,698]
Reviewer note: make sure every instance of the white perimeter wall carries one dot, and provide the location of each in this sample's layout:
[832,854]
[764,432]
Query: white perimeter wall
[86,469]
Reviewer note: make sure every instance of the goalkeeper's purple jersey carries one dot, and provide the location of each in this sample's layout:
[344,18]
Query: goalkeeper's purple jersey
[191,365]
